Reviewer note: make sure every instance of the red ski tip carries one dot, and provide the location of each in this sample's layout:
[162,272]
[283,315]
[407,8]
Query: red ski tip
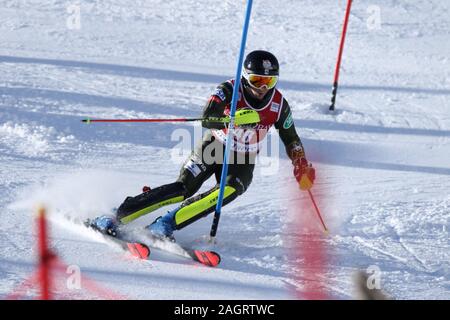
[138,250]
[208,258]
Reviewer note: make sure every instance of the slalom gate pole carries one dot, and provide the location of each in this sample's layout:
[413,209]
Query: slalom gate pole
[318,212]
[341,49]
[48,266]
[234,101]
[45,255]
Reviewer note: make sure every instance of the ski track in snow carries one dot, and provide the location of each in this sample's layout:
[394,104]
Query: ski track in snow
[381,159]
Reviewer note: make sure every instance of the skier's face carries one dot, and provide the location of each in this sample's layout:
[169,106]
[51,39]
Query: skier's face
[259,93]
[257,84]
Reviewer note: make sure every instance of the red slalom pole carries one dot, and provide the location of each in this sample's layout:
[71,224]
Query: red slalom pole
[44,255]
[341,49]
[318,212]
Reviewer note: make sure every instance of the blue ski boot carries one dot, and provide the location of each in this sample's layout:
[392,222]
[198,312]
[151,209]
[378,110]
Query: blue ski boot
[163,227]
[106,224]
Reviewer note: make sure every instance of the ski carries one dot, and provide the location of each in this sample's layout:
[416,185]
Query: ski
[142,250]
[205,257]
[136,249]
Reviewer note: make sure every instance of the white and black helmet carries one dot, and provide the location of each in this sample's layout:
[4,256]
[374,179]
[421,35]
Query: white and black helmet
[261,62]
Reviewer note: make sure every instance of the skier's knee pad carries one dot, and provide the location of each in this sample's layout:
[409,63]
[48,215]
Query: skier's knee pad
[135,207]
[194,210]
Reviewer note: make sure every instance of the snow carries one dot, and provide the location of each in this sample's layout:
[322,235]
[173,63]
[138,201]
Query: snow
[382,159]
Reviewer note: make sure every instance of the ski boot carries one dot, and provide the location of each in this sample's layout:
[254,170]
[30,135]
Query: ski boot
[163,227]
[105,224]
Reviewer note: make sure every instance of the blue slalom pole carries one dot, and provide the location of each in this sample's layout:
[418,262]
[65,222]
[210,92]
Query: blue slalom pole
[234,100]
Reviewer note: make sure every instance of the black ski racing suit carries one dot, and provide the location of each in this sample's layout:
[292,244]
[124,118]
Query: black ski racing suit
[196,170]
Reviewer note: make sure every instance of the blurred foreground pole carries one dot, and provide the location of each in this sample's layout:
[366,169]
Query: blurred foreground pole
[45,256]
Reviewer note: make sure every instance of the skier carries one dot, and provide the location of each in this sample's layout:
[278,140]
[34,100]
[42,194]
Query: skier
[260,106]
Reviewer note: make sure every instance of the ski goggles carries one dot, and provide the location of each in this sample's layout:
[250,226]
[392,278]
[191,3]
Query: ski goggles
[258,81]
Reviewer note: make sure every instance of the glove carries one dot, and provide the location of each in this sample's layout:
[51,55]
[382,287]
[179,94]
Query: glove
[304,173]
[246,118]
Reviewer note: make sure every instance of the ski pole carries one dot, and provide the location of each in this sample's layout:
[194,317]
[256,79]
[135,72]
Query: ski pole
[234,101]
[318,212]
[210,119]
[338,63]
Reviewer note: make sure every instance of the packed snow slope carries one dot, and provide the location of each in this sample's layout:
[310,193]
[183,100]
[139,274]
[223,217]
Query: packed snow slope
[382,159]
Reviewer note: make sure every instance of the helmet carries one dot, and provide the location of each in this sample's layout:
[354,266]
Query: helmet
[262,63]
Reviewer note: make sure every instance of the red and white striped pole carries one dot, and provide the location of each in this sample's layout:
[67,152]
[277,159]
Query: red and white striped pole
[341,49]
